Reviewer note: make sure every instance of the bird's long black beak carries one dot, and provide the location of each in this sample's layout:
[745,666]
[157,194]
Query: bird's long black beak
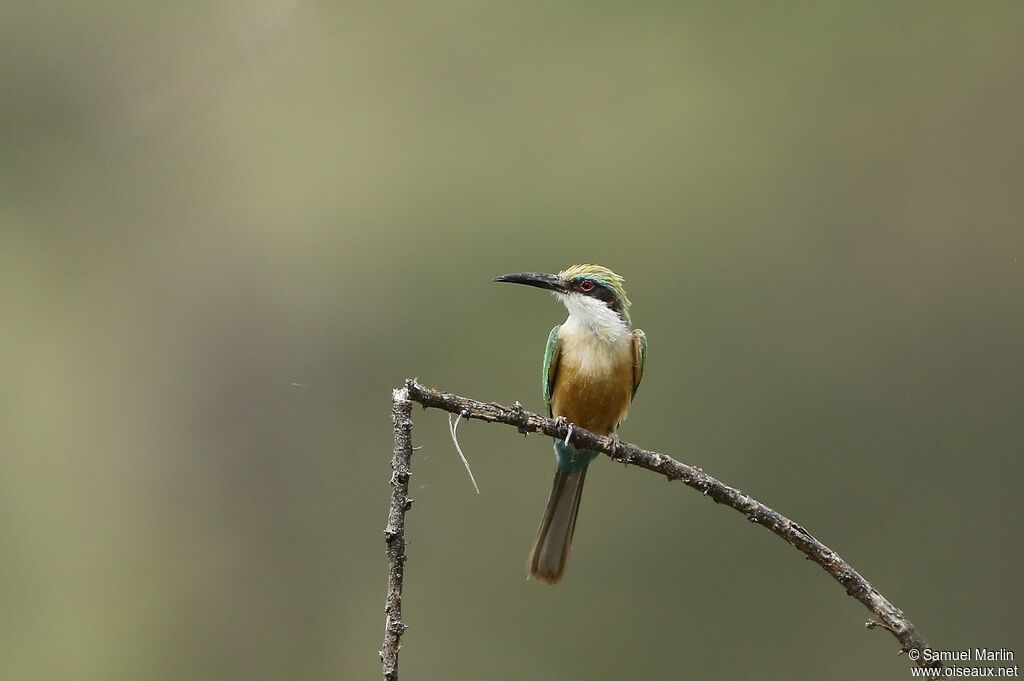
[552,282]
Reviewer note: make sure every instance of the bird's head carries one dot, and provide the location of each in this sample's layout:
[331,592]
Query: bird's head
[589,292]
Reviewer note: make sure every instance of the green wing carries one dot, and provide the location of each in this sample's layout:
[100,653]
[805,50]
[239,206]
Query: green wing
[552,354]
[639,357]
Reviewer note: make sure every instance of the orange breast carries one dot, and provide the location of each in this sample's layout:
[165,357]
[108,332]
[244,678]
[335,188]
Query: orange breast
[595,400]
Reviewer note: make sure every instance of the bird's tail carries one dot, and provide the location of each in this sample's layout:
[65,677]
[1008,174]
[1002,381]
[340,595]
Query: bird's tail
[551,548]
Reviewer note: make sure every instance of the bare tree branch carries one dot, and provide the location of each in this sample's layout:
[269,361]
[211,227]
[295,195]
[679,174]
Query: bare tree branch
[394,533]
[886,615]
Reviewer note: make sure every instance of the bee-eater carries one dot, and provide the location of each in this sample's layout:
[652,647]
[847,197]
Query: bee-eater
[593,364]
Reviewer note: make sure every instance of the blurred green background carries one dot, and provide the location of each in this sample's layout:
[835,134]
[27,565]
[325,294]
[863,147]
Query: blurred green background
[818,212]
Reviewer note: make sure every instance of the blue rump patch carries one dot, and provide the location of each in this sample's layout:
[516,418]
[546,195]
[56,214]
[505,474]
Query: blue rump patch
[572,459]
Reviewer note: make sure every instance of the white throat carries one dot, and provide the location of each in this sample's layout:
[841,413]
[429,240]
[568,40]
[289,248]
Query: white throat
[593,316]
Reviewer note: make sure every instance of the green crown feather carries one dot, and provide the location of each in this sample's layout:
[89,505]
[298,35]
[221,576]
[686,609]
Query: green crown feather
[601,275]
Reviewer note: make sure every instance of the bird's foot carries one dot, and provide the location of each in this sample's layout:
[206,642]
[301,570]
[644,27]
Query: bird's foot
[614,437]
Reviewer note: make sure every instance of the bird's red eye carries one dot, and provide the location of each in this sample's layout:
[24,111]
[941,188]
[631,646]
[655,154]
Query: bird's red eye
[586,286]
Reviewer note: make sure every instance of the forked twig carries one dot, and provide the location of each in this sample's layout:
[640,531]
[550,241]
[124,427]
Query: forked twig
[886,615]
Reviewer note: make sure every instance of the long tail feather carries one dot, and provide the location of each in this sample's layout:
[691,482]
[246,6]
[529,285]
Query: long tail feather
[551,548]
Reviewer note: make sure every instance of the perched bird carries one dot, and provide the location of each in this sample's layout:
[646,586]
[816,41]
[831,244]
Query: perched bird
[593,364]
